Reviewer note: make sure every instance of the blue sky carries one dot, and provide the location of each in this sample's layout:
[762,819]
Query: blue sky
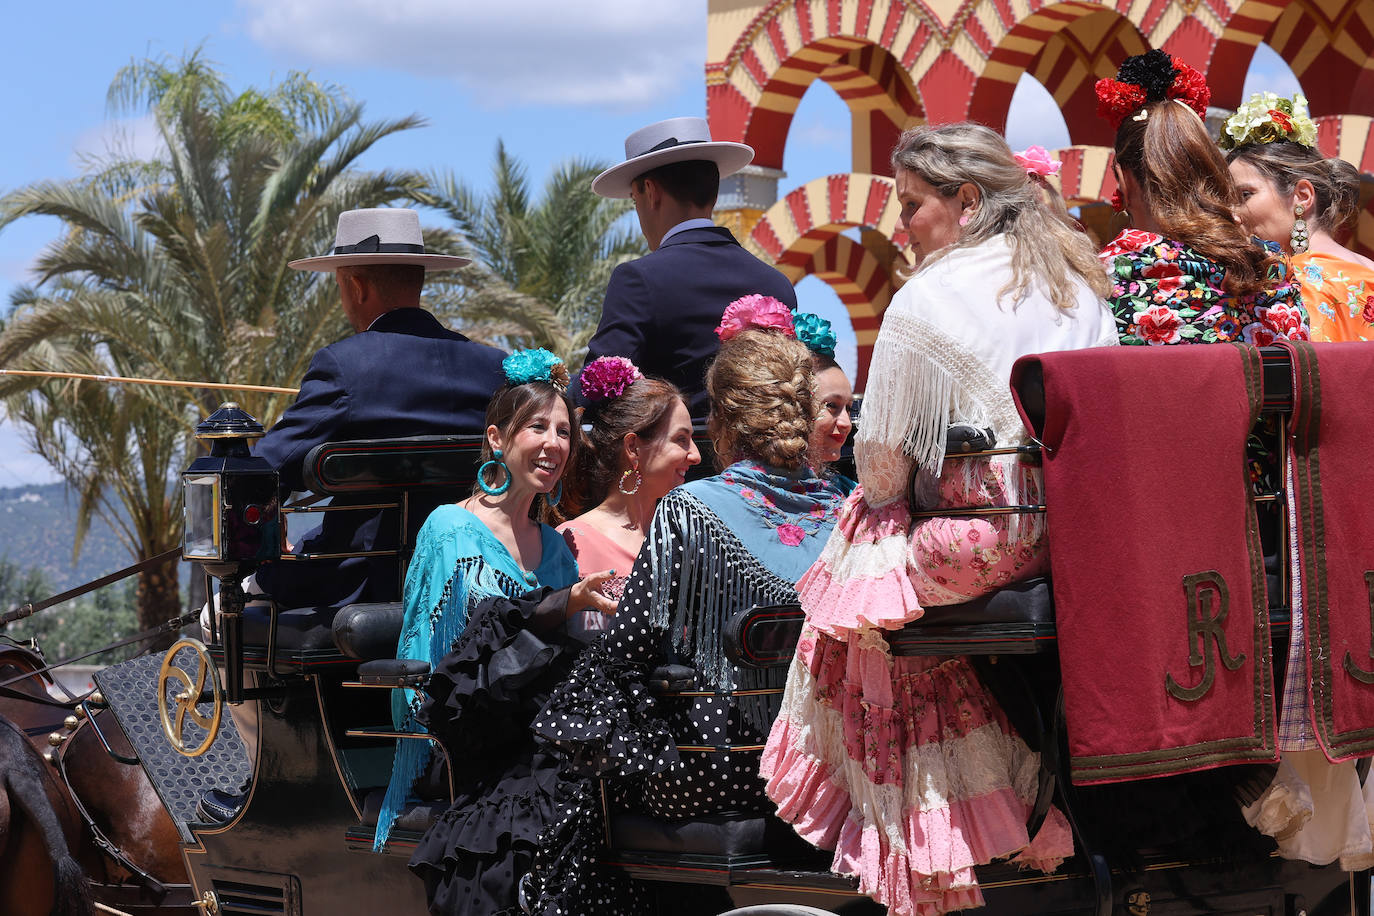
[553,79]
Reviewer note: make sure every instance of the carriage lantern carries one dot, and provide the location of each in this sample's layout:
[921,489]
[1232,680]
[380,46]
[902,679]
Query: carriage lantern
[232,526]
[232,522]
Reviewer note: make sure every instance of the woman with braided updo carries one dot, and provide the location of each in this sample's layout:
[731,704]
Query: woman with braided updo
[716,546]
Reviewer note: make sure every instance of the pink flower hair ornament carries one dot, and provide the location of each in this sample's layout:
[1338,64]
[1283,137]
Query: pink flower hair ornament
[608,377]
[755,311]
[1038,162]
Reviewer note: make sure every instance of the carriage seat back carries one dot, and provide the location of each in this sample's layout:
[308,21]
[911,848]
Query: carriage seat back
[1015,620]
[734,837]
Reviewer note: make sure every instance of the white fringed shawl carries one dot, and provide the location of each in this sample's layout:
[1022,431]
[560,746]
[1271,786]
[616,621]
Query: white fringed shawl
[944,355]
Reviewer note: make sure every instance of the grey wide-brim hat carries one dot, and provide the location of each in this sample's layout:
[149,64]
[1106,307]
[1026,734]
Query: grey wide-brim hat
[384,235]
[673,140]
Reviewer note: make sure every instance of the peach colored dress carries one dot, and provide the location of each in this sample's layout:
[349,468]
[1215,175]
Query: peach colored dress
[595,552]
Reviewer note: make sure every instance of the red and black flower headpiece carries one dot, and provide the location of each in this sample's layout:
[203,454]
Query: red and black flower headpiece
[1147,78]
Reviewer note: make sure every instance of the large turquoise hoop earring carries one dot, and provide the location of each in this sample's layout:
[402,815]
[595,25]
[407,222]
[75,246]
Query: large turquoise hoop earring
[554,496]
[490,489]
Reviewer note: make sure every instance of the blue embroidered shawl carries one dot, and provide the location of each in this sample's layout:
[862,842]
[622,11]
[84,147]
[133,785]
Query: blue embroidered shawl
[784,517]
[457,563]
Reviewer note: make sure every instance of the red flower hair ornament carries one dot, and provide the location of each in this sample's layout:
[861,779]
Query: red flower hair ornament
[1147,78]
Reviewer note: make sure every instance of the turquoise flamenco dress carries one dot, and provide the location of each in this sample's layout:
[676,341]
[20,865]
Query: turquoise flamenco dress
[458,563]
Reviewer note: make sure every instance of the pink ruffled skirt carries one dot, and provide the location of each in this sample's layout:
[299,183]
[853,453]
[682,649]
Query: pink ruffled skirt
[905,766]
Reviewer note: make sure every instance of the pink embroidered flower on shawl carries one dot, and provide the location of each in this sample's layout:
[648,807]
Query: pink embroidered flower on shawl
[791,535]
[755,311]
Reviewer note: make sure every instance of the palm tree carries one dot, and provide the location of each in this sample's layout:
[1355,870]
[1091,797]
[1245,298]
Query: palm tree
[542,266]
[176,267]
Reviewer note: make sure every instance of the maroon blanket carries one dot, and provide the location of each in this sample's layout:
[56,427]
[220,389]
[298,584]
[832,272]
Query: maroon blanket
[1158,576]
[1331,438]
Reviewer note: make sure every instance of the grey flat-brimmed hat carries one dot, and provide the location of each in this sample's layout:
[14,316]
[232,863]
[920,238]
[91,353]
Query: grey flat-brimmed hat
[384,235]
[673,140]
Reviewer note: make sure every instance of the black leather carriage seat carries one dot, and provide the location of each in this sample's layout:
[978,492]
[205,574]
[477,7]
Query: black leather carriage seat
[368,631]
[415,817]
[1016,620]
[357,631]
[729,839]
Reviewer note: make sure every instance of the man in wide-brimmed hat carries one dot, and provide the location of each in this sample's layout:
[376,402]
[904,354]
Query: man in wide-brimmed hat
[402,374]
[662,309]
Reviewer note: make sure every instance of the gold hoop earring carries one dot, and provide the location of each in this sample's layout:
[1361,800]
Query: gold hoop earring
[639,480]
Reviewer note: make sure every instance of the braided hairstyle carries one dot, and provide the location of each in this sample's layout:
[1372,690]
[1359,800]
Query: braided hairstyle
[762,388]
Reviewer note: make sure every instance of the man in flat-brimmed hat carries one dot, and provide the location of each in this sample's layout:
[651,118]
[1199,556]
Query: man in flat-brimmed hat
[662,310]
[402,374]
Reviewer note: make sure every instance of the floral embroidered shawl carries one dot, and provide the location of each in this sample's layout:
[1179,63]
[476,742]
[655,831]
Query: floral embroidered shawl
[774,512]
[1338,294]
[1163,292]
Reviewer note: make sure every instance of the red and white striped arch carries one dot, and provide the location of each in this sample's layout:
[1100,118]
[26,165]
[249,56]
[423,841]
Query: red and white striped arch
[801,233]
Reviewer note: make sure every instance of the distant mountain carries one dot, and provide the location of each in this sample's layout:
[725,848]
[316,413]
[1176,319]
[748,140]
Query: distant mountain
[38,527]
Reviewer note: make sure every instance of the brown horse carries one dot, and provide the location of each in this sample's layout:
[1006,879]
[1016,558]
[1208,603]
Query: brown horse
[37,820]
[121,802]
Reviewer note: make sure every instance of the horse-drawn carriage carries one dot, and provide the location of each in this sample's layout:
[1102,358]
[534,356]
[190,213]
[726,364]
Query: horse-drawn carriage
[320,680]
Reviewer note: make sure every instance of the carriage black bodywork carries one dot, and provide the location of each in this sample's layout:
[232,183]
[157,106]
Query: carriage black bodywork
[321,680]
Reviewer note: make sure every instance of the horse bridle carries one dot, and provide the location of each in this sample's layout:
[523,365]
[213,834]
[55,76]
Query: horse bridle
[107,846]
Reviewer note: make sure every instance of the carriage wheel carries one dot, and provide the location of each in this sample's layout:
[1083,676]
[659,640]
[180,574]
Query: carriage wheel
[175,710]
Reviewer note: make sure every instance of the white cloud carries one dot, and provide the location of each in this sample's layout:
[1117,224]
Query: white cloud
[618,53]
[1269,73]
[18,465]
[818,134]
[130,138]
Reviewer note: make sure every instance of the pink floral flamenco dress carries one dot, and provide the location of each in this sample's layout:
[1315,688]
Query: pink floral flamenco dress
[906,767]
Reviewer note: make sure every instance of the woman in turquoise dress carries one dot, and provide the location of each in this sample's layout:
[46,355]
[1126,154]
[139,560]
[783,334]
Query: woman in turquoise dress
[490,546]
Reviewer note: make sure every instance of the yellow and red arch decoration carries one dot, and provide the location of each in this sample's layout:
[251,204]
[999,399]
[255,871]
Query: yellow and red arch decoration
[897,63]
[803,234]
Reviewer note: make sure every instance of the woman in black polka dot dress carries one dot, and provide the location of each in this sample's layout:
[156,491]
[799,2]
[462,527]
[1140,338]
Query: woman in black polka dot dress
[715,547]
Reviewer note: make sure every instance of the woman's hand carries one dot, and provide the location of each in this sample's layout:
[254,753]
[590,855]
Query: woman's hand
[586,594]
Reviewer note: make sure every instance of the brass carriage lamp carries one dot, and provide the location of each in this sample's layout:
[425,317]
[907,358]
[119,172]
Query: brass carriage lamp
[233,522]
[232,518]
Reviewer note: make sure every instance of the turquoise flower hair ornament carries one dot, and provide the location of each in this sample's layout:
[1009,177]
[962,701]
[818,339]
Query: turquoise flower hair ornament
[815,332]
[538,365]
[1269,118]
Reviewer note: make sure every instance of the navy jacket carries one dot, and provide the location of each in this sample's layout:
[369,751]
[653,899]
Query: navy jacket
[662,310]
[407,375]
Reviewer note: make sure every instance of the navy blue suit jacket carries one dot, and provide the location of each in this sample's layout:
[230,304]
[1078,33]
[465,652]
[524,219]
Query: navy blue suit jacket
[662,310]
[406,375]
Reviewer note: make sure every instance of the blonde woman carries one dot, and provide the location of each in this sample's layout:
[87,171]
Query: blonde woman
[1001,276]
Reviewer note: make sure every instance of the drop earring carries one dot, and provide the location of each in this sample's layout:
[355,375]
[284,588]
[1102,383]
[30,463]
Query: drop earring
[1297,241]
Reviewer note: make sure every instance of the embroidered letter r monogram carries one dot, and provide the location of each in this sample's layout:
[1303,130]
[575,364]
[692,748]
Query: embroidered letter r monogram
[1209,601]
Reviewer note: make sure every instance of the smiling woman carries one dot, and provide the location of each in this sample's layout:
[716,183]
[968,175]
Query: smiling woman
[489,546]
